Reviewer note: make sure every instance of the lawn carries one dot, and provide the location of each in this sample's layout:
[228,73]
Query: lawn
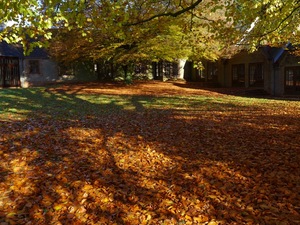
[147,153]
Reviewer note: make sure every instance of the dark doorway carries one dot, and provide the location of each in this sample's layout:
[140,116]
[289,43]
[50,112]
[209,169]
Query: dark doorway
[9,72]
[238,75]
[256,75]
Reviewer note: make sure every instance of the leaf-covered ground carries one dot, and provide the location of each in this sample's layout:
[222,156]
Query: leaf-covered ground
[149,153]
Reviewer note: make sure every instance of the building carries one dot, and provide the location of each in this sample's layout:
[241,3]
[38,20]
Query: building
[275,70]
[19,70]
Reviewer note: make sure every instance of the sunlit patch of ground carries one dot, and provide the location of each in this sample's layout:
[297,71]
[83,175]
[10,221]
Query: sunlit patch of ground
[151,153]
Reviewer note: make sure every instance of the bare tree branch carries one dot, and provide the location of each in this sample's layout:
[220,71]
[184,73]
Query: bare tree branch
[171,14]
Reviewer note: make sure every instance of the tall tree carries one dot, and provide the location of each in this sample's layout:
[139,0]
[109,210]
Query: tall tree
[130,29]
[143,30]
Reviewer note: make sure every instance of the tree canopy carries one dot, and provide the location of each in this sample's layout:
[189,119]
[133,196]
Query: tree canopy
[129,30]
[272,22]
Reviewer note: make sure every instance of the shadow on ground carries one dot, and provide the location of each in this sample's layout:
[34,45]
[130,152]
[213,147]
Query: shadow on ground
[75,160]
[251,92]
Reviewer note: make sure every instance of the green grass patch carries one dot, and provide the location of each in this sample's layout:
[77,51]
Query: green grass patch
[23,103]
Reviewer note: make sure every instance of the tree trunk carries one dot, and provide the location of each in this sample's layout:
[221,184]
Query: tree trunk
[125,69]
[181,64]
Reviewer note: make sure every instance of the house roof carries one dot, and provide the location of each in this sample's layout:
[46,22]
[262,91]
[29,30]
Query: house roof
[12,50]
[16,50]
[38,53]
[275,53]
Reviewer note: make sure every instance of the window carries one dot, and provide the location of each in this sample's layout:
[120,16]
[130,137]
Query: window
[292,78]
[34,67]
[212,71]
[256,77]
[238,75]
